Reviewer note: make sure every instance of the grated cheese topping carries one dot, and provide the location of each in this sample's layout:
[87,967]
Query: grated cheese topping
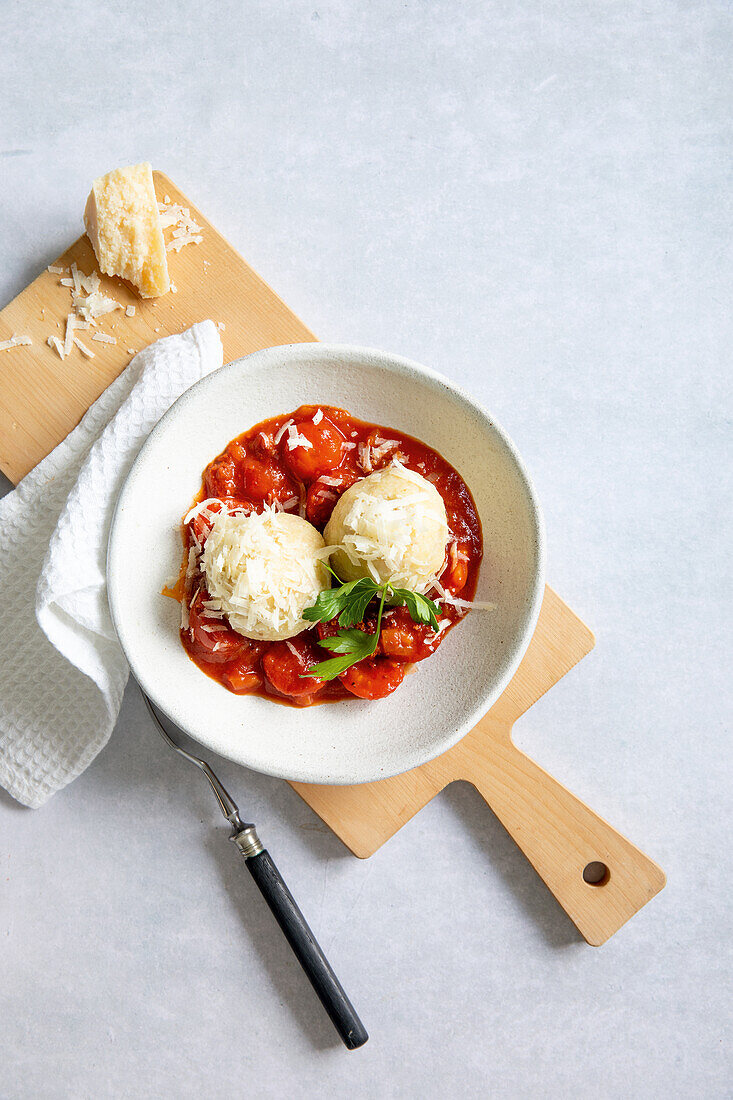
[390,526]
[263,570]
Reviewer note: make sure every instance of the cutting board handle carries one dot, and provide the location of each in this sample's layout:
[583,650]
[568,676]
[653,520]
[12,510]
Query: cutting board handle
[599,877]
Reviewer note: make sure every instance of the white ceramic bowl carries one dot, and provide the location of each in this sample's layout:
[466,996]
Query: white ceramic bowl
[351,741]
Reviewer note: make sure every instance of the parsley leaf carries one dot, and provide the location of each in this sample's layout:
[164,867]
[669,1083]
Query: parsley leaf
[348,603]
[360,597]
[356,642]
[335,601]
[420,607]
[331,670]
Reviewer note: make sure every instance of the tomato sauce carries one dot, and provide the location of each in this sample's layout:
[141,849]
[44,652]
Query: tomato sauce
[259,468]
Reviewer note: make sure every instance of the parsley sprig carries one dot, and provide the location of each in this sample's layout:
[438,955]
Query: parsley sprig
[349,602]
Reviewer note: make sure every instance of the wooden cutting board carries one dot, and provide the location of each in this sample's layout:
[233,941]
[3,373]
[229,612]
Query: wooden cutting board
[598,876]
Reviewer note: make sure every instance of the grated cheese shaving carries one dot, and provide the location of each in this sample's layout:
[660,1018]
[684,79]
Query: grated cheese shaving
[282,431]
[94,305]
[103,338]
[54,342]
[455,601]
[129,311]
[295,439]
[365,458]
[318,416]
[177,245]
[55,270]
[191,564]
[381,451]
[15,342]
[69,337]
[90,283]
[202,507]
[83,348]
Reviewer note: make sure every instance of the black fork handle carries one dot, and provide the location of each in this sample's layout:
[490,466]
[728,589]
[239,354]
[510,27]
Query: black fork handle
[307,949]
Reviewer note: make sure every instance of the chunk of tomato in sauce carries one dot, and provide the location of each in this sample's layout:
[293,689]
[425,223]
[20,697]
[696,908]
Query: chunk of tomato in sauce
[454,576]
[405,639]
[374,677]
[323,455]
[321,499]
[241,677]
[243,476]
[286,665]
[221,478]
[212,638]
[262,480]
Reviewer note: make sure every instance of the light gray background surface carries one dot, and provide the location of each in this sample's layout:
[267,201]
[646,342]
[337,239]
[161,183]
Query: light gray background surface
[530,198]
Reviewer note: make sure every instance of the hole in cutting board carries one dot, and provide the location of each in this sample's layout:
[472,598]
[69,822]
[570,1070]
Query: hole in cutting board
[596,873]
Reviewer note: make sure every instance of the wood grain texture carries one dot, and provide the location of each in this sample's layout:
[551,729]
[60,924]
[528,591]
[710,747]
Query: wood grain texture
[42,398]
[558,833]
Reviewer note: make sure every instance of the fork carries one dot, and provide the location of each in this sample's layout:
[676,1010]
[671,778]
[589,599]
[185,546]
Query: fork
[282,903]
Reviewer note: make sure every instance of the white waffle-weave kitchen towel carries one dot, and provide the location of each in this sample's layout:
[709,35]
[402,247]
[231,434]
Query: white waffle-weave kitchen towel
[62,672]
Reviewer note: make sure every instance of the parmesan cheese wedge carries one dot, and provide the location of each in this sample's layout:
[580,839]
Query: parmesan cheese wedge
[123,223]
